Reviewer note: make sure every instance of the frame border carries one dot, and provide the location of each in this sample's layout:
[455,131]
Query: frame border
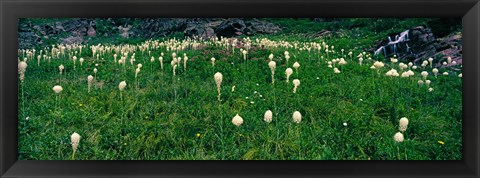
[11,10]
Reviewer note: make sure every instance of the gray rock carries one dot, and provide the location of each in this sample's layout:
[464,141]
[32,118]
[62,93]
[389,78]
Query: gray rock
[200,31]
[256,26]
[230,28]
[91,32]
[75,30]
[125,31]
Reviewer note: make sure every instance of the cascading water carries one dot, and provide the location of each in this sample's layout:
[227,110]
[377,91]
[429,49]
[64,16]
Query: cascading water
[381,49]
[393,45]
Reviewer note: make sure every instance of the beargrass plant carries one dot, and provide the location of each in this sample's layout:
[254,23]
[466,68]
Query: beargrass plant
[75,141]
[22,68]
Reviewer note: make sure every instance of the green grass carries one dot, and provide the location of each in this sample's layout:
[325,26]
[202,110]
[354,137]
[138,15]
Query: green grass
[152,123]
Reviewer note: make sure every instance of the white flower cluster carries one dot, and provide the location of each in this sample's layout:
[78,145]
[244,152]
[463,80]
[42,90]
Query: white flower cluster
[57,89]
[75,140]
[392,73]
[218,81]
[22,67]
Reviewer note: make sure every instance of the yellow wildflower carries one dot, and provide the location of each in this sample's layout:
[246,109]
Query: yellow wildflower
[441,142]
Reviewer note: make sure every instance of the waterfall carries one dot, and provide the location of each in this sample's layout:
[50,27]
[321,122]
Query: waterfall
[378,50]
[394,45]
[403,37]
[381,49]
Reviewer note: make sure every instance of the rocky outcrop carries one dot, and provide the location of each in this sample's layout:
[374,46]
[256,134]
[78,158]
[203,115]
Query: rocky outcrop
[256,26]
[125,31]
[79,30]
[450,46]
[205,27]
[230,28]
[203,30]
[420,43]
[66,32]
[193,27]
[158,27]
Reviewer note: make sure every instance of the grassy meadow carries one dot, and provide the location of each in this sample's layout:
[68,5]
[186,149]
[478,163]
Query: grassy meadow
[350,110]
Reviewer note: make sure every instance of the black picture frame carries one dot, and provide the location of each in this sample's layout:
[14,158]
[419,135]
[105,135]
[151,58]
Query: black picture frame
[11,10]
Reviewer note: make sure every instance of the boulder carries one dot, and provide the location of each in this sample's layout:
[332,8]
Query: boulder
[200,31]
[323,33]
[230,28]
[125,31]
[91,31]
[256,26]
[158,27]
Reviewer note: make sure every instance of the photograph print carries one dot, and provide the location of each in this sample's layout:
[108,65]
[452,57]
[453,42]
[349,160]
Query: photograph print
[240,89]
